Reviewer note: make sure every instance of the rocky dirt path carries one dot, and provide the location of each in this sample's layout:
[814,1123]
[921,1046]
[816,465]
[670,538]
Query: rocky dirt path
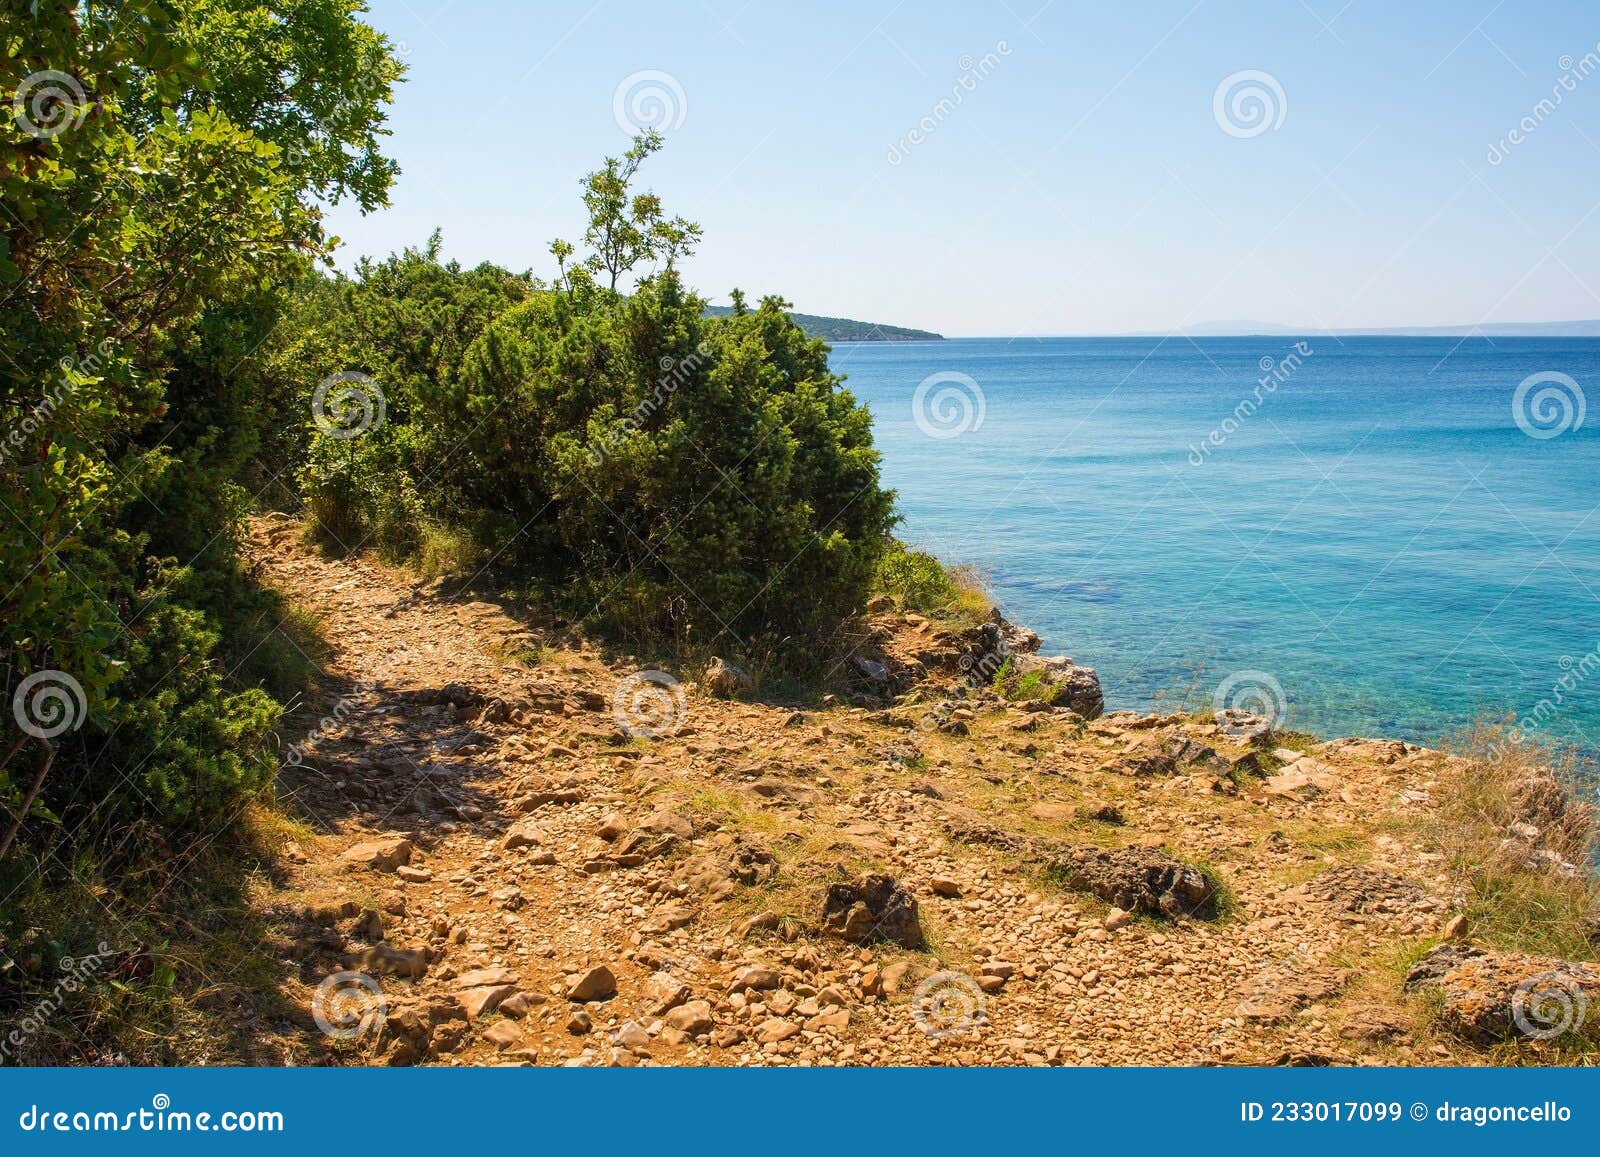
[500,872]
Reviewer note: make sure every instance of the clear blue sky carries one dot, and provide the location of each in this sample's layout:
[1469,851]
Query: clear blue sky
[1083,185]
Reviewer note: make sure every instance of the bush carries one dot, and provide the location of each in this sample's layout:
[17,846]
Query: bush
[923,584]
[704,481]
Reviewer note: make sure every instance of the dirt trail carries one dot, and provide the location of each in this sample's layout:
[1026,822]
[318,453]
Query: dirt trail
[491,845]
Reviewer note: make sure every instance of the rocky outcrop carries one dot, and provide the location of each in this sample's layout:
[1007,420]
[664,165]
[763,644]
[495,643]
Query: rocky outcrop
[725,680]
[1488,997]
[874,908]
[1139,879]
[1071,686]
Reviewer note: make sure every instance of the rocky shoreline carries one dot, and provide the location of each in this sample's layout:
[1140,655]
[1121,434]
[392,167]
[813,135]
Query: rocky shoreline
[574,862]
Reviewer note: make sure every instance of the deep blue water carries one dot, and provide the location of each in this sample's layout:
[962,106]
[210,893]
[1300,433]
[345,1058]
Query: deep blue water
[1379,535]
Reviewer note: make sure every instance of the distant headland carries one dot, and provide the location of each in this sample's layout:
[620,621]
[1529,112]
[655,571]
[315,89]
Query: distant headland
[837,329]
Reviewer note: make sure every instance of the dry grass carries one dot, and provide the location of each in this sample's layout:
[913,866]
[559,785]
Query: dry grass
[1512,902]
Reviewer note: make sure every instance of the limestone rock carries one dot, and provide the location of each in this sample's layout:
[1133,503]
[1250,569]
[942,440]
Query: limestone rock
[724,679]
[1140,879]
[381,855]
[1495,996]
[873,908]
[599,983]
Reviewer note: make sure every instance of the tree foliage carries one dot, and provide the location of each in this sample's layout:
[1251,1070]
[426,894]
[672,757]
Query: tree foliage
[161,182]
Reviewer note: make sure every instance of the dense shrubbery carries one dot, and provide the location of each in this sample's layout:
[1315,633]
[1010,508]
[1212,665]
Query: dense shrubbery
[159,194]
[675,479]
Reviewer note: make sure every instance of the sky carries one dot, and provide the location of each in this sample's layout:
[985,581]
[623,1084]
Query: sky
[993,169]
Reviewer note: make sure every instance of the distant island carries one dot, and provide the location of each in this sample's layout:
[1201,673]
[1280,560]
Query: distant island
[837,329]
[1582,328]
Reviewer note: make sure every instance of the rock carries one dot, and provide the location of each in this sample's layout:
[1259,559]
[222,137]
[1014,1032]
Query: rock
[664,992]
[579,1024]
[483,977]
[1357,888]
[413,875]
[691,1019]
[1140,879]
[522,835]
[1118,918]
[880,604]
[760,922]
[503,1034]
[944,886]
[775,1030]
[596,984]
[1488,997]
[478,1001]
[1071,686]
[382,958]
[382,855]
[756,977]
[724,679]
[872,669]
[1108,813]
[874,908]
[613,828]
[1278,995]
[632,1036]
[1456,928]
[518,1005]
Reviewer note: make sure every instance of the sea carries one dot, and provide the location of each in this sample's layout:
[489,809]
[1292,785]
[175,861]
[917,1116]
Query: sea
[1381,536]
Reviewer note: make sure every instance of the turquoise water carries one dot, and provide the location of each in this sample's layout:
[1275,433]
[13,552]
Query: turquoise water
[1379,537]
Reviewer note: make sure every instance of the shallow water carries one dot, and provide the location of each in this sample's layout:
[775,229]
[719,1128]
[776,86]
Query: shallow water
[1374,532]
